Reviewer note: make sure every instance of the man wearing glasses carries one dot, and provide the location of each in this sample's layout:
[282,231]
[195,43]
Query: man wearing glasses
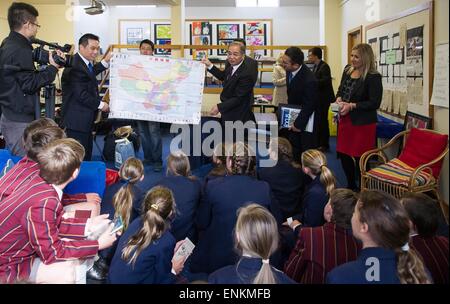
[19,81]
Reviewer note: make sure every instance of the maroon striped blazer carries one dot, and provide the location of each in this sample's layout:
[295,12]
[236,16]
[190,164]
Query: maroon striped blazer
[318,251]
[30,221]
[434,252]
[21,173]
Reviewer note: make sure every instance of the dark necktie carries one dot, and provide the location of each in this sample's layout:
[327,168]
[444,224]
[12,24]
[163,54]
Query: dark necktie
[290,78]
[91,68]
[229,73]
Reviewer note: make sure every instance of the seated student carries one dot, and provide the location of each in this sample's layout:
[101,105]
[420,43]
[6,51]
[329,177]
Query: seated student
[36,136]
[216,214]
[381,223]
[144,253]
[256,238]
[424,213]
[124,199]
[32,217]
[320,249]
[186,190]
[286,178]
[316,195]
[219,162]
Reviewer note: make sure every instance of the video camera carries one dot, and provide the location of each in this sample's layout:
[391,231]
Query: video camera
[41,55]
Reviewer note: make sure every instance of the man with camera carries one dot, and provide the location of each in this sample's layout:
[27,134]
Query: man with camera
[81,98]
[20,82]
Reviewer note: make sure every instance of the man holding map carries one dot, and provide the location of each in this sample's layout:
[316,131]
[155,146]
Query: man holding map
[238,82]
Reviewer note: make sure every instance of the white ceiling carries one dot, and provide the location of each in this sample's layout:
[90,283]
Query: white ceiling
[203,3]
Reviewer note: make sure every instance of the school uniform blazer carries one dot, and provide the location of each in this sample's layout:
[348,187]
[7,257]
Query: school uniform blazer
[319,250]
[187,197]
[153,265]
[287,184]
[217,217]
[367,95]
[324,82]
[434,252]
[315,198]
[244,272]
[355,272]
[107,201]
[237,93]
[80,98]
[302,90]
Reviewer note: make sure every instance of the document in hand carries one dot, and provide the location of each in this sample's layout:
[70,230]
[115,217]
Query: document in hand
[288,114]
[185,250]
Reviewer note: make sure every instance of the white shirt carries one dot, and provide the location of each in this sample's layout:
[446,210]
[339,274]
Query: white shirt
[105,64]
[59,191]
[235,67]
[295,72]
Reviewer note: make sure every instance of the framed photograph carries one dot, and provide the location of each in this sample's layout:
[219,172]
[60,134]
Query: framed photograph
[413,120]
[134,31]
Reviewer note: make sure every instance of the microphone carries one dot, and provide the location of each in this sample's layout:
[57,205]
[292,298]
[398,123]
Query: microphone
[66,48]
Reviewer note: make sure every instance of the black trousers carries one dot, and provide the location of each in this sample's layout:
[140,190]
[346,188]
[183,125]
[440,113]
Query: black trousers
[300,141]
[351,170]
[85,139]
[323,129]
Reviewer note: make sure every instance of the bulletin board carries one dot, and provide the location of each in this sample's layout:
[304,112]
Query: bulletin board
[404,48]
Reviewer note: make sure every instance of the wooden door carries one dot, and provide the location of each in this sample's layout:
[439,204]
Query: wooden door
[354,37]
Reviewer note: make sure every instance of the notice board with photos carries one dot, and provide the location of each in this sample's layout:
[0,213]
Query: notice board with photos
[403,47]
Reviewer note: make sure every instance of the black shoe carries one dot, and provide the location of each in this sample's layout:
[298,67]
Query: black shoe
[96,273]
[102,264]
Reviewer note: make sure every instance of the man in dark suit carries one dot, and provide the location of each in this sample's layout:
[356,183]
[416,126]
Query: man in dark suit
[302,90]
[81,99]
[326,96]
[238,82]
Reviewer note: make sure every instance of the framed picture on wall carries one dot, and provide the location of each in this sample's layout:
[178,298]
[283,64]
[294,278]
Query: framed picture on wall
[163,36]
[134,31]
[255,33]
[200,33]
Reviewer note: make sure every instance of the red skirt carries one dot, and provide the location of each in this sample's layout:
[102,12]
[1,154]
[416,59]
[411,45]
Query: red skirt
[355,140]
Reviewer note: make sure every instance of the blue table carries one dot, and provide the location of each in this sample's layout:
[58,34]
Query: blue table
[387,128]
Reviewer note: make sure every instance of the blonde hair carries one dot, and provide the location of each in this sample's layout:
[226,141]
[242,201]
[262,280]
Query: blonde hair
[388,224]
[219,160]
[131,172]
[317,162]
[257,234]
[368,60]
[59,160]
[243,161]
[158,205]
[178,165]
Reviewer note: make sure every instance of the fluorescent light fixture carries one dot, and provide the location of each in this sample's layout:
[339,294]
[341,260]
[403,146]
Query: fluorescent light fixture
[257,3]
[141,6]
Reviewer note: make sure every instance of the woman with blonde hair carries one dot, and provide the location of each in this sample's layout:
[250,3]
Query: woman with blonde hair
[382,225]
[144,253]
[317,193]
[256,239]
[358,98]
[186,190]
[279,82]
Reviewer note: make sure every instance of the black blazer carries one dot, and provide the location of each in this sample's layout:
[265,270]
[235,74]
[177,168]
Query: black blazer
[237,94]
[323,76]
[302,90]
[367,95]
[80,95]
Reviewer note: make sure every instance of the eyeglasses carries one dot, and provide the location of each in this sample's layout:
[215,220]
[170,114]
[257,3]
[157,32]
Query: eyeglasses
[38,26]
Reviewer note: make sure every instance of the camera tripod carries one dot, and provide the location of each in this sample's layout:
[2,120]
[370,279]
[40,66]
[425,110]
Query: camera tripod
[49,94]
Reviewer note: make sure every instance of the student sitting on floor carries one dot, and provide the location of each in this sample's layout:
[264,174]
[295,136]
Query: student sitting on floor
[424,214]
[286,178]
[124,199]
[36,136]
[320,249]
[256,239]
[216,214]
[382,225]
[314,164]
[36,245]
[186,190]
[144,253]
[219,159]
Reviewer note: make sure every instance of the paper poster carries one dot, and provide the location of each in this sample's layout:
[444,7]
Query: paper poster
[441,83]
[227,31]
[399,55]
[402,35]
[391,57]
[403,104]
[419,90]
[383,58]
[396,42]
[396,102]
[385,45]
[396,70]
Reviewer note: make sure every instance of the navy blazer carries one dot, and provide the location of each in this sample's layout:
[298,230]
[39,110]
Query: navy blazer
[80,98]
[107,206]
[355,272]
[314,200]
[244,272]
[287,183]
[302,90]
[153,265]
[217,217]
[237,93]
[187,197]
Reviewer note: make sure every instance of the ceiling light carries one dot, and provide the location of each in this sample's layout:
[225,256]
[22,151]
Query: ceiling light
[257,3]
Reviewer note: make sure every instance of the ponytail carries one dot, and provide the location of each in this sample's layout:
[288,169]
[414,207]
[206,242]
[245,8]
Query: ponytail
[327,179]
[265,274]
[410,268]
[317,162]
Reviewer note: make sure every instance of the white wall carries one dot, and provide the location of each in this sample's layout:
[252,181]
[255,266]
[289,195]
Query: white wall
[291,25]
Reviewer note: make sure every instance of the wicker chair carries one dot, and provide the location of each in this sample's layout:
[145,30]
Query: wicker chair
[396,176]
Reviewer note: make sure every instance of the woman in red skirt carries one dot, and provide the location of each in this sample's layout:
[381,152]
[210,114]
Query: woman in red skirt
[359,97]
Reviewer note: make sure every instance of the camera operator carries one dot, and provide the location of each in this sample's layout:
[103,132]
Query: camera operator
[20,83]
[81,99]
